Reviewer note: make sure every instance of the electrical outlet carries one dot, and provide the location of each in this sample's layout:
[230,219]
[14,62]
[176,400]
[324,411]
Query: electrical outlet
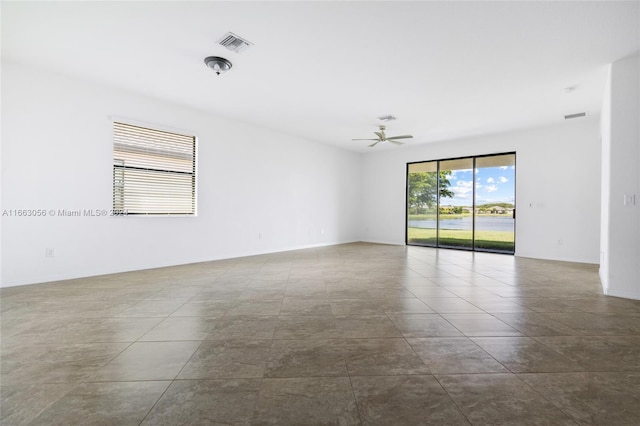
[49,252]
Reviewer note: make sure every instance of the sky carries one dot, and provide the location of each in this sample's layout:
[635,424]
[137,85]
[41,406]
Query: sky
[493,185]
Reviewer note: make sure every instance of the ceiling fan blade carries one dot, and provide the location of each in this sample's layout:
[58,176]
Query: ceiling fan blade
[374,144]
[379,134]
[395,142]
[400,137]
[365,139]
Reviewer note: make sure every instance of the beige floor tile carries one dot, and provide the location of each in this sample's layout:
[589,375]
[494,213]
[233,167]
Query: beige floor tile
[147,361]
[306,401]
[20,404]
[307,358]
[305,306]
[364,326]
[345,334]
[455,355]
[122,403]
[237,359]
[602,324]
[592,398]
[378,357]
[180,328]
[255,307]
[204,308]
[404,400]
[243,327]
[480,325]
[199,402]
[607,353]
[501,399]
[525,355]
[50,363]
[423,325]
[535,324]
[451,305]
[152,308]
[306,327]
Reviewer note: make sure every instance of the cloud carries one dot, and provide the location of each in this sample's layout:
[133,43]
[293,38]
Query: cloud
[453,174]
[491,188]
[503,179]
[490,180]
[462,188]
[504,167]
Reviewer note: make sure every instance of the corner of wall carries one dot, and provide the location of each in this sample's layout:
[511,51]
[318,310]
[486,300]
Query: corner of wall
[620,224]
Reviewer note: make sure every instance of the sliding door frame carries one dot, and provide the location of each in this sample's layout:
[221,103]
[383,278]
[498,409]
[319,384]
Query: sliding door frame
[473,207]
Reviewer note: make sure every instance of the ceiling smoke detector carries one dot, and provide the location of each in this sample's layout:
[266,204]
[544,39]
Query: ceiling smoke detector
[218,64]
[234,42]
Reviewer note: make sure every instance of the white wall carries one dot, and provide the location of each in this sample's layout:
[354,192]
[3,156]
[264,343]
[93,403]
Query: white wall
[620,239]
[557,188]
[258,191]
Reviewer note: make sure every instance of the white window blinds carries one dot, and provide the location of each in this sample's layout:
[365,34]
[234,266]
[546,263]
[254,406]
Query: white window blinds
[153,171]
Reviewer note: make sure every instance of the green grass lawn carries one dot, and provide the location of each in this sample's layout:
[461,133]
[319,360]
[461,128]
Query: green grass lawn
[488,240]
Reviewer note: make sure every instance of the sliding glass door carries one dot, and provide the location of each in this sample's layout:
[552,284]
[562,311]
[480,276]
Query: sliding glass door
[464,203]
[455,218]
[495,203]
[422,203]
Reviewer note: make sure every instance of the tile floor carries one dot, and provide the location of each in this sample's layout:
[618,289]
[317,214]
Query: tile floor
[343,335]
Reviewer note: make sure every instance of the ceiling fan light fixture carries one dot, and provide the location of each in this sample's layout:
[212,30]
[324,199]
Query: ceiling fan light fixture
[218,64]
[382,137]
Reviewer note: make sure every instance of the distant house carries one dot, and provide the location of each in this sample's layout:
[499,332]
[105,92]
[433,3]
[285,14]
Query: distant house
[499,210]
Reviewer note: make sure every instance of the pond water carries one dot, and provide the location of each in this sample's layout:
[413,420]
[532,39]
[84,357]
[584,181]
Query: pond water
[483,223]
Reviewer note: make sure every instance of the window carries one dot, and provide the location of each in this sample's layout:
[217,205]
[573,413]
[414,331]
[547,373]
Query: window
[464,203]
[154,172]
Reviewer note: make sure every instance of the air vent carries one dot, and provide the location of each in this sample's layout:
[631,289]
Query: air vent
[234,43]
[570,116]
[387,118]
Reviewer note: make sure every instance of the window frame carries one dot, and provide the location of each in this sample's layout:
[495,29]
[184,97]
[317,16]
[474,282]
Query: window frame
[473,247]
[118,166]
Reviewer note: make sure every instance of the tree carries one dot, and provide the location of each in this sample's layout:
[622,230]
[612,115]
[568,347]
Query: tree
[423,189]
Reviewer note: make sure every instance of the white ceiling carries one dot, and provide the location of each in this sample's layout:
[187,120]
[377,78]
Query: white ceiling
[325,70]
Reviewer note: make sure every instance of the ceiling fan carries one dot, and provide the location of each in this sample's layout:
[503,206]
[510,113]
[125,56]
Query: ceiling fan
[382,137]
